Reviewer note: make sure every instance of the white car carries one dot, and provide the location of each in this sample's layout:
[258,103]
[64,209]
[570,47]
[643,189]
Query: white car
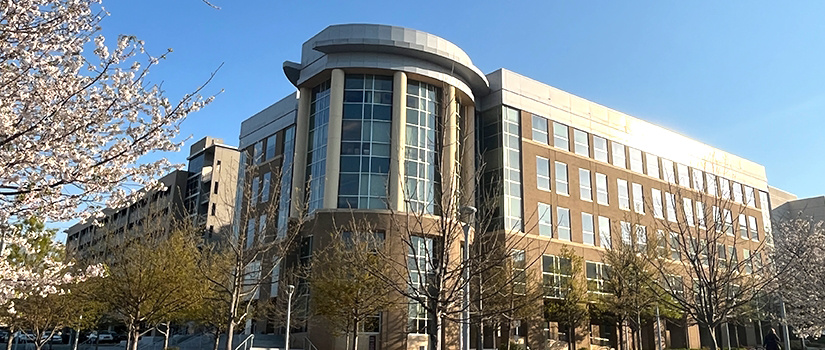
[105,337]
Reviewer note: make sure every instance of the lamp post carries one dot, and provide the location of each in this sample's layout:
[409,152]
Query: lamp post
[289,290]
[465,298]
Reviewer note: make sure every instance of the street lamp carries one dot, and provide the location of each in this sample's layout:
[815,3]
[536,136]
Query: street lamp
[470,211]
[289,290]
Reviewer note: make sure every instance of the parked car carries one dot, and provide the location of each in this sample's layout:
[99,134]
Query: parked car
[102,337]
[4,336]
[24,337]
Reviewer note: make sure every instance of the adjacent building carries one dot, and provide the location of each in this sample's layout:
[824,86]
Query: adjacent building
[203,194]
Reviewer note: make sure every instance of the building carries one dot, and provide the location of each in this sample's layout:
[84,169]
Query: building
[369,132]
[204,194]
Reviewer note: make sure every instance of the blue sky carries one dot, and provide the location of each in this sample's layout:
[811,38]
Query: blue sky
[743,76]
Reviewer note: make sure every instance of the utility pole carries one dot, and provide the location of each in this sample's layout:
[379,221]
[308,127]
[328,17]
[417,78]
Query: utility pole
[289,290]
[465,298]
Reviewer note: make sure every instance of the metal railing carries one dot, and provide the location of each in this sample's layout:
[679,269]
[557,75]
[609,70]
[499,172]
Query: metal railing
[246,344]
[307,345]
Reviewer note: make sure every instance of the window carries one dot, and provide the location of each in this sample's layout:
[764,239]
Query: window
[601,189]
[700,214]
[540,129]
[256,183]
[675,252]
[215,189]
[257,152]
[652,165]
[624,197]
[588,235]
[717,218]
[251,224]
[604,232]
[582,143]
[424,108]
[658,211]
[585,188]
[687,206]
[743,226]
[267,179]
[271,142]
[619,158]
[542,173]
[638,199]
[317,146]
[636,160]
[641,238]
[561,178]
[667,171]
[545,220]
[721,255]
[626,239]
[519,272]
[596,274]
[728,222]
[600,148]
[684,175]
[737,193]
[750,200]
[214,209]
[746,258]
[724,188]
[556,273]
[421,269]
[753,228]
[560,136]
[711,180]
[670,204]
[698,180]
[564,223]
[262,226]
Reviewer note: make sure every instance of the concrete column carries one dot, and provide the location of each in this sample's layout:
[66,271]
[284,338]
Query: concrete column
[448,154]
[398,140]
[468,147]
[333,163]
[694,340]
[299,163]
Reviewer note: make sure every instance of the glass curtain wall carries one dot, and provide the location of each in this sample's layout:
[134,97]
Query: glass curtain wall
[317,145]
[365,142]
[423,142]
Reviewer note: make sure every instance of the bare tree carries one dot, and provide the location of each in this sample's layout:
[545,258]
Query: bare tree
[568,295]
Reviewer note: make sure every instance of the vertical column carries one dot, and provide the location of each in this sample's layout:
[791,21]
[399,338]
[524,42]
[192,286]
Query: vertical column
[398,139]
[448,155]
[333,163]
[468,156]
[299,162]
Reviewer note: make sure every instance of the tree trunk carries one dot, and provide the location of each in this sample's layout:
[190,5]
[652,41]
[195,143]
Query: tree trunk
[76,339]
[133,334]
[438,325]
[571,337]
[354,335]
[166,336]
[620,330]
[216,345]
[713,344]
[11,339]
[230,331]
[638,330]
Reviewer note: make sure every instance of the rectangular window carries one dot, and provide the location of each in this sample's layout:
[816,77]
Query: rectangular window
[700,214]
[262,226]
[581,142]
[641,238]
[658,209]
[619,158]
[667,171]
[753,228]
[737,193]
[564,223]
[585,188]
[743,226]
[728,222]
[624,196]
[675,252]
[746,258]
[540,129]
[600,148]
[652,165]
[750,200]
[670,205]
[636,160]
[626,239]
[561,179]
[698,180]
[251,224]
[560,136]
[271,142]
[556,272]
[543,173]
[256,183]
[596,274]
[604,232]
[724,188]
[215,189]
[711,182]
[588,234]
[519,272]
[214,209]
[601,189]
[638,199]
[717,219]
[684,175]
[687,206]
[267,179]
[258,152]
[545,220]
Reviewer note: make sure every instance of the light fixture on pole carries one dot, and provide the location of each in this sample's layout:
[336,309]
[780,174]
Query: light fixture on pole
[289,290]
[469,211]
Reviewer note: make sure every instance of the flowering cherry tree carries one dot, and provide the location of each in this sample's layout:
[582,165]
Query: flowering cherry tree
[76,112]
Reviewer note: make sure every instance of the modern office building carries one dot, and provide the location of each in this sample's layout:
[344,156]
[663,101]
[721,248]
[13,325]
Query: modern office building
[387,120]
[204,195]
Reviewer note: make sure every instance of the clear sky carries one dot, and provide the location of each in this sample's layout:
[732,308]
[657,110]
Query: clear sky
[743,76]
